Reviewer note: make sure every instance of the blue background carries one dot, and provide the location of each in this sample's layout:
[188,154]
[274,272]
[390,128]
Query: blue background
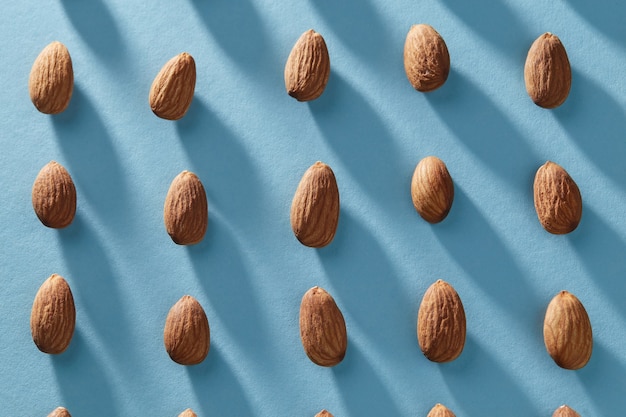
[250,143]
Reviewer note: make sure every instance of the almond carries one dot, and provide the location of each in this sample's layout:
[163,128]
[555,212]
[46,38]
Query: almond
[323,413]
[567,331]
[186,335]
[322,328]
[440,411]
[51,80]
[186,213]
[54,196]
[558,202]
[188,413]
[426,58]
[173,87]
[59,412]
[565,411]
[547,72]
[432,189]
[441,323]
[315,207]
[53,316]
[308,67]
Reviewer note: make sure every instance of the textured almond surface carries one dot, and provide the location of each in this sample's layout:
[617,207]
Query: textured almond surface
[565,411]
[187,413]
[186,334]
[186,213]
[60,412]
[322,328]
[308,67]
[432,189]
[323,413]
[54,196]
[547,72]
[441,323]
[53,316]
[440,411]
[173,88]
[567,331]
[315,207]
[51,80]
[558,201]
[426,58]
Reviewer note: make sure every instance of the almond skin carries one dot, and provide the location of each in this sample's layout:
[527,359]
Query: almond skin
[308,67]
[60,412]
[322,328]
[54,196]
[53,316]
[558,201]
[186,213]
[51,80]
[547,72]
[186,335]
[440,411]
[426,58]
[188,413]
[173,88]
[565,411]
[323,413]
[315,207]
[567,331]
[432,189]
[441,323]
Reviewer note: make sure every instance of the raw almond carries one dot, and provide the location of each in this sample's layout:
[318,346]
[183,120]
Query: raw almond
[54,196]
[186,335]
[60,412]
[426,58]
[558,202]
[567,331]
[51,80]
[432,189]
[308,67]
[323,413]
[173,87]
[322,328]
[547,72]
[53,316]
[565,411]
[186,213]
[315,207]
[188,413]
[441,323]
[440,411]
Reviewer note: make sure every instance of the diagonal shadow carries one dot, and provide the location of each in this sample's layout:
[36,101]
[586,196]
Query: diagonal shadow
[606,16]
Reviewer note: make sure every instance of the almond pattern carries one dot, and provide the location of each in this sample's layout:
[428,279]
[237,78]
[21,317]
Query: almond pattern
[54,196]
[322,328]
[188,413]
[565,411]
[547,72]
[60,412]
[440,411]
[558,201]
[186,335]
[308,67]
[426,58]
[432,189]
[441,323]
[186,213]
[51,80]
[173,88]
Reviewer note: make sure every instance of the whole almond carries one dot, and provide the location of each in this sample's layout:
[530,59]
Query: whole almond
[565,411]
[188,413]
[432,189]
[441,323]
[51,80]
[186,335]
[567,331]
[59,412]
[308,67]
[322,328]
[426,58]
[558,202]
[440,411]
[547,72]
[323,413]
[53,316]
[186,213]
[315,207]
[173,87]
[54,196]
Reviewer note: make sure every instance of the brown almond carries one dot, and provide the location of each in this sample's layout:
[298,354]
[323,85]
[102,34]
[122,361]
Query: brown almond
[322,328]
[60,412]
[440,411]
[547,72]
[315,207]
[323,413]
[51,80]
[308,67]
[173,87]
[558,202]
[441,323]
[426,58]
[188,413]
[54,196]
[432,189]
[186,335]
[567,331]
[53,316]
[565,411]
[186,213]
